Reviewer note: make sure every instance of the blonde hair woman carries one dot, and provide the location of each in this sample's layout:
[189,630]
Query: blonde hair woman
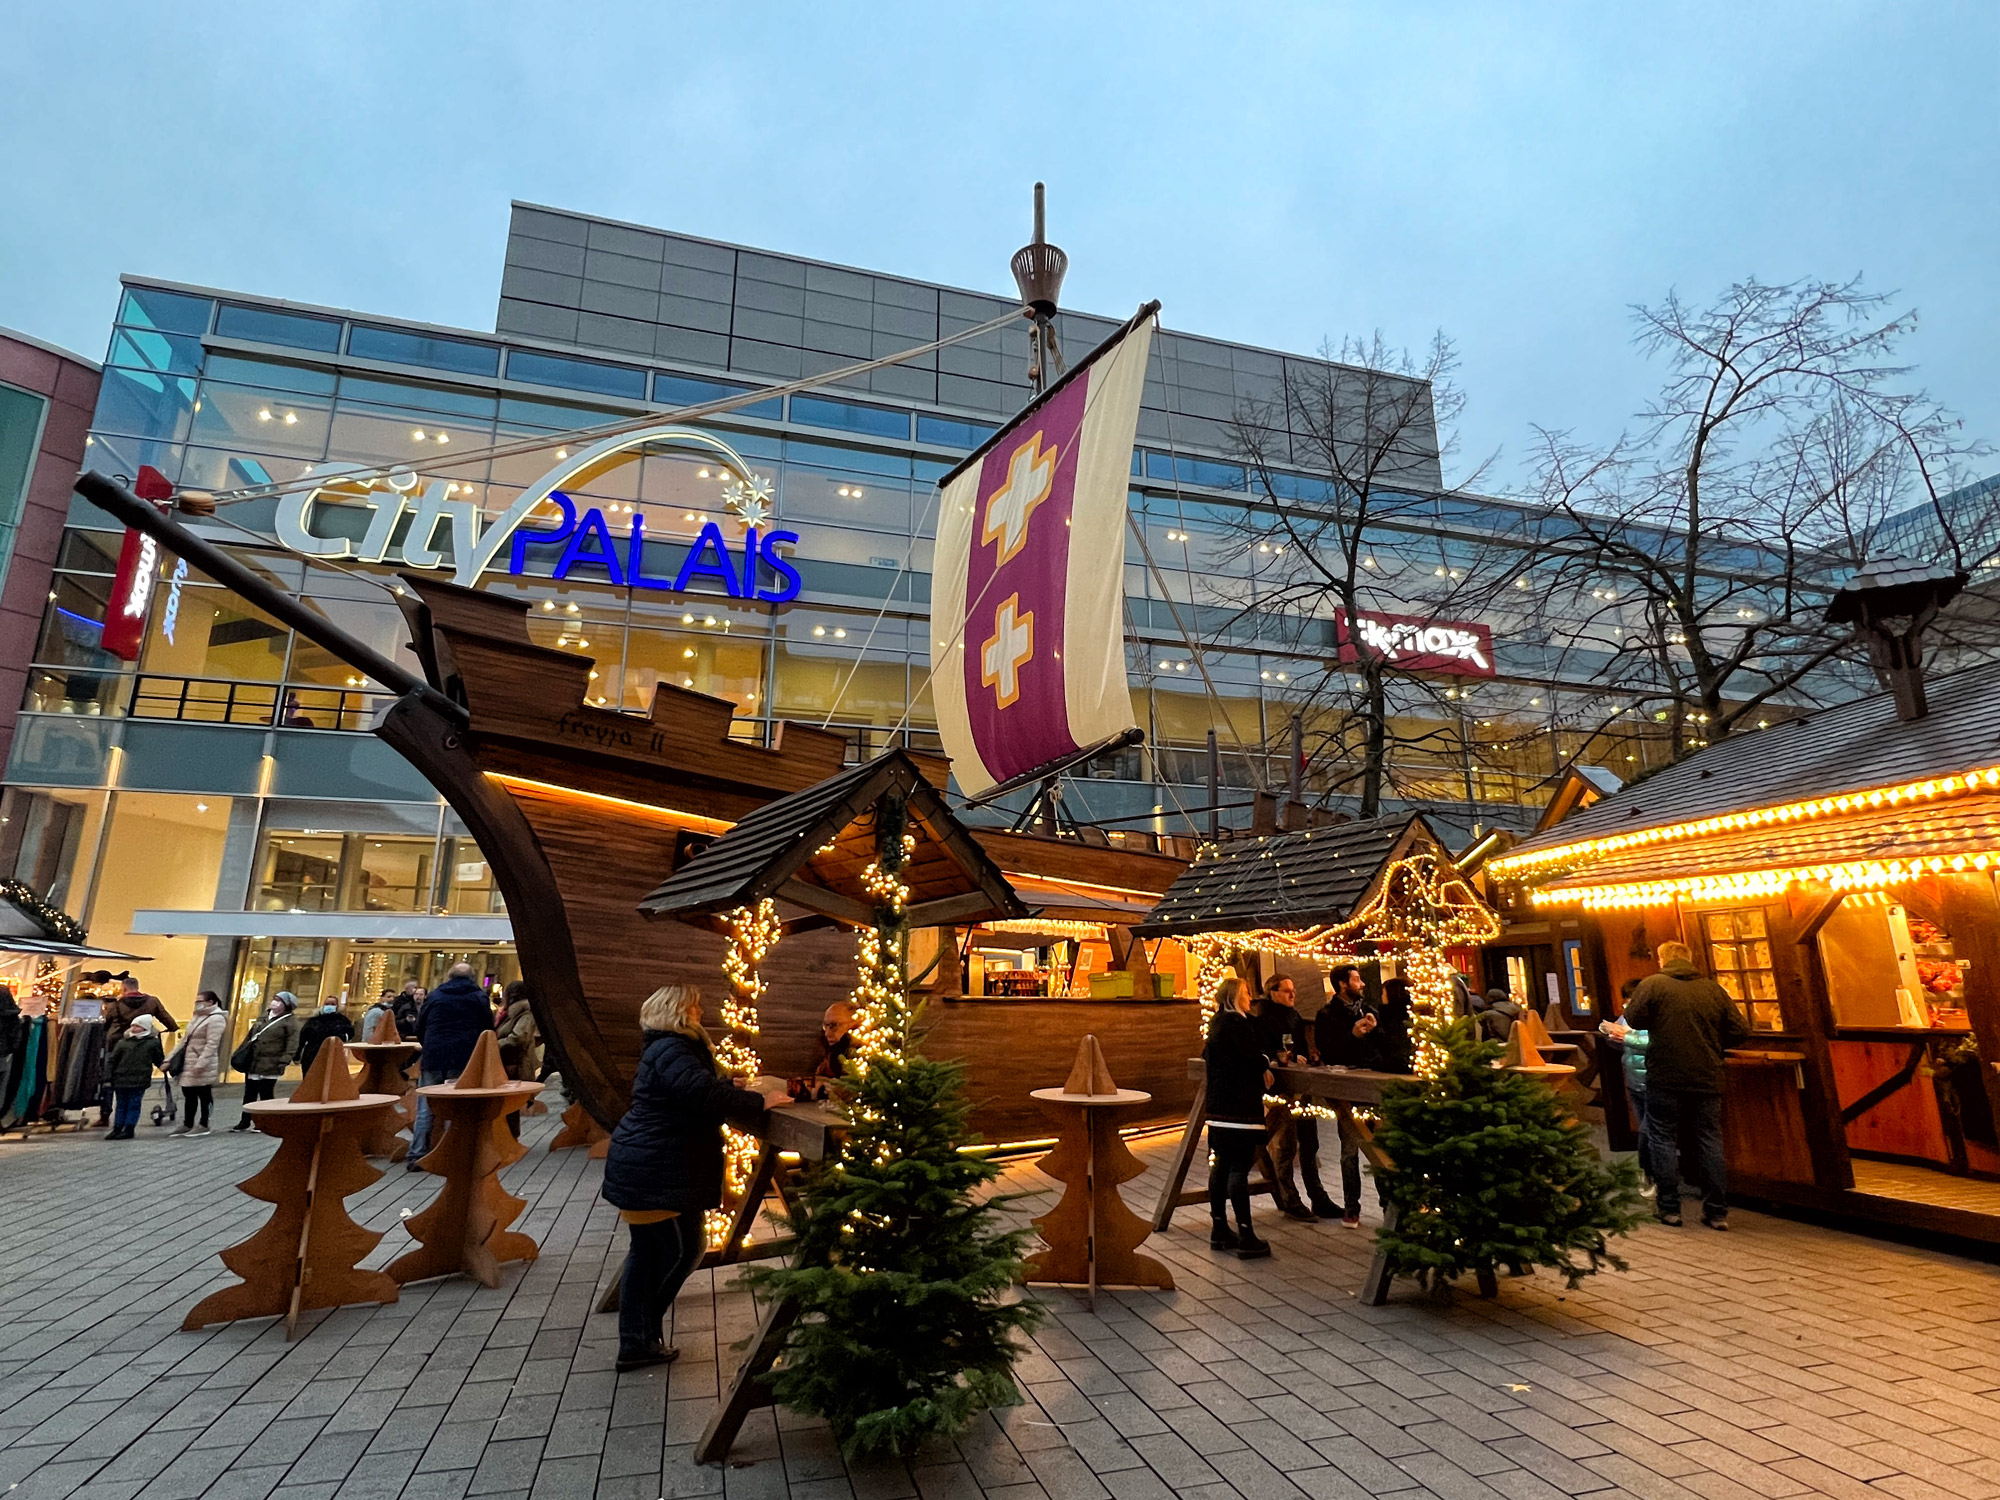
[1238,1073]
[664,1169]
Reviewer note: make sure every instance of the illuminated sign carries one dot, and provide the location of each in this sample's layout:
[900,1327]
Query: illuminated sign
[757,569]
[138,574]
[1414,644]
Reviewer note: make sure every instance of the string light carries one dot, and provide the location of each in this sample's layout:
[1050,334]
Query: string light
[1048,926]
[882,1010]
[753,932]
[1926,790]
[1747,885]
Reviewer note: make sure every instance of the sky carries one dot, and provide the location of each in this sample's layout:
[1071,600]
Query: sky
[1515,175]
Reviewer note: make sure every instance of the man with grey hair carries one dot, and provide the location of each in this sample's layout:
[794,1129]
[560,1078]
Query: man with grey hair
[1690,1022]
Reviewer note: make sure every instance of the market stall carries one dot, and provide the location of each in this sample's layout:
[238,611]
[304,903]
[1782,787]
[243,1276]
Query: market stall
[1836,875]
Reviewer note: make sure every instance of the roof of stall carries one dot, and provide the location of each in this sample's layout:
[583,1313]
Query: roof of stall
[1857,747]
[1316,878]
[808,852]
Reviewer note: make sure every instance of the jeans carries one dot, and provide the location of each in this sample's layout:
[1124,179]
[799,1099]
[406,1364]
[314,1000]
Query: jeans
[201,1095]
[1665,1109]
[656,1267]
[1308,1136]
[1645,1140]
[1280,1152]
[1350,1168]
[1229,1174]
[420,1132]
[127,1108]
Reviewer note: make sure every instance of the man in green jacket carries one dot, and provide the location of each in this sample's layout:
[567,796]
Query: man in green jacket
[1690,1023]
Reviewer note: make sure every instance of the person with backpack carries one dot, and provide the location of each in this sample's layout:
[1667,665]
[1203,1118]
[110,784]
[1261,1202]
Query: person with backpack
[263,1055]
[128,1072]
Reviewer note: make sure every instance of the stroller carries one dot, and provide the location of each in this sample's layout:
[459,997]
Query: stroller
[163,1114]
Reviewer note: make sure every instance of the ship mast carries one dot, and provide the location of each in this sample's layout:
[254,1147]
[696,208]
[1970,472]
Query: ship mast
[1038,272]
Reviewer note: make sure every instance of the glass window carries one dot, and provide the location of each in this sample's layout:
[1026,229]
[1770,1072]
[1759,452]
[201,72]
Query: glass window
[1739,953]
[149,405]
[685,390]
[399,347]
[469,880]
[269,374]
[576,374]
[847,499]
[20,427]
[554,416]
[259,421]
[407,395]
[181,839]
[839,456]
[819,675]
[170,312]
[262,326]
[168,354]
[949,432]
[701,657]
[850,416]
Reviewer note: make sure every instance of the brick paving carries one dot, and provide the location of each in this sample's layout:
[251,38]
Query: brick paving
[1782,1359]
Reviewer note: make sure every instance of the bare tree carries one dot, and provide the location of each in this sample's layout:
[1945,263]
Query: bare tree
[1692,560]
[1348,526]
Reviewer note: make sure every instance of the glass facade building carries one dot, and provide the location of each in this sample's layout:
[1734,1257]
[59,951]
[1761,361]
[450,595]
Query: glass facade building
[220,805]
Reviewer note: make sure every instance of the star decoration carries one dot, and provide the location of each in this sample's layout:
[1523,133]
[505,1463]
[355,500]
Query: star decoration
[750,498]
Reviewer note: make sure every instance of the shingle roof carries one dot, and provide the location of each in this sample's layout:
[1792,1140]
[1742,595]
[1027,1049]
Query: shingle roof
[814,844]
[1854,747]
[1290,880]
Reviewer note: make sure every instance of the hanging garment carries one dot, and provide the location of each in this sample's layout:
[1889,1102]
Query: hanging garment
[31,1071]
[79,1072]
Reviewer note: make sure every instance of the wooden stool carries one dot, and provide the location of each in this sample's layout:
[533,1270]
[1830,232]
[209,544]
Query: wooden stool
[1092,1237]
[580,1128]
[383,1057]
[308,1252]
[466,1228]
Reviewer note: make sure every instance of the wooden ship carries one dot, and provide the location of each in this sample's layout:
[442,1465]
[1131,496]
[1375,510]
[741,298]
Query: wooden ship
[582,811]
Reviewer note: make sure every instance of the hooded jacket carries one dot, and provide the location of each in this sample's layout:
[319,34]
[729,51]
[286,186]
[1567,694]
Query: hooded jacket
[450,1023]
[120,1011]
[131,1060]
[1689,1021]
[1235,1061]
[667,1151]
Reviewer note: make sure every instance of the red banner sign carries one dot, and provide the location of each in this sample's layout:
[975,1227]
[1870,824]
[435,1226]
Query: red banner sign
[138,571]
[1458,648]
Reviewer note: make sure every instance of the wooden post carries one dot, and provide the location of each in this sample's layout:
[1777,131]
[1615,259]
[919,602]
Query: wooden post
[307,1254]
[466,1228]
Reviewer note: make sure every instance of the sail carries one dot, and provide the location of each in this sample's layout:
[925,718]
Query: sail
[1028,589]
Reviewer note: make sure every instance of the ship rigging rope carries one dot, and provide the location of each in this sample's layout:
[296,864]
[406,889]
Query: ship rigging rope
[541,441]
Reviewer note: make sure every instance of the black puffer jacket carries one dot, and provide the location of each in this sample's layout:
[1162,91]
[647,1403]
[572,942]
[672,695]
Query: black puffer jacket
[667,1151]
[1235,1060]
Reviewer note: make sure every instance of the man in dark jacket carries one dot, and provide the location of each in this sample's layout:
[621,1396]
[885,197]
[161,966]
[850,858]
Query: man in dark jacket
[120,1012]
[1348,1031]
[328,1021]
[449,1025]
[1690,1022]
[1287,1039]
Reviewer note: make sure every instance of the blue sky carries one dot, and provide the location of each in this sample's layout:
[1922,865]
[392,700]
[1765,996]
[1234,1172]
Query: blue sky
[1516,175]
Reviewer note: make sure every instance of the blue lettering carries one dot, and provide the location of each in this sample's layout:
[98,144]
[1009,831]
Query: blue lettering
[789,582]
[635,558]
[578,551]
[524,539]
[697,564]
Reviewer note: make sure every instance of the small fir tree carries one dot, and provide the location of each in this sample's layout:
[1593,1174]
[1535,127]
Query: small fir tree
[1492,1172]
[902,1272]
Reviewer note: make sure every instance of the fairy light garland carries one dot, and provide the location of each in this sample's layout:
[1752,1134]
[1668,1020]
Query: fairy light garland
[753,932]
[881,1001]
[1750,885]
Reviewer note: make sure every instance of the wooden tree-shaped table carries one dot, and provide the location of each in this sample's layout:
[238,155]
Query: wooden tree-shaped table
[1093,1238]
[580,1128]
[466,1228]
[307,1254]
[383,1057]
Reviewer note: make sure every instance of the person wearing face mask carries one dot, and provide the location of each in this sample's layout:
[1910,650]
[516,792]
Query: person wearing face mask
[329,1020]
[267,1051]
[201,1063]
[128,1072]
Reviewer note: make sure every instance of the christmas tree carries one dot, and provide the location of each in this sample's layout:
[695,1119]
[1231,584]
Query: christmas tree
[902,1271]
[1492,1172]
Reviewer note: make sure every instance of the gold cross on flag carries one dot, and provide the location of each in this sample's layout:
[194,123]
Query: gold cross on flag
[1031,475]
[1010,648]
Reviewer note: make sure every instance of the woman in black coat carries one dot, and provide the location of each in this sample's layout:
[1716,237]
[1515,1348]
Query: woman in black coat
[1238,1073]
[664,1168]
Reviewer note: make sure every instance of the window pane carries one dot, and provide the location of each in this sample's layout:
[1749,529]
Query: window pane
[576,374]
[168,311]
[850,416]
[697,658]
[155,406]
[259,421]
[406,395]
[262,326]
[685,390]
[269,374]
[141,349]
[394,346]
[947,432]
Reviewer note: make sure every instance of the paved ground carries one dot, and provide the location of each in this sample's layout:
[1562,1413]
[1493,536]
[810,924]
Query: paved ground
[1779,1360]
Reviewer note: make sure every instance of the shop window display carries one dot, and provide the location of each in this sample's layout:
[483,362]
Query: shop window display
[1739,955]
[1888,967]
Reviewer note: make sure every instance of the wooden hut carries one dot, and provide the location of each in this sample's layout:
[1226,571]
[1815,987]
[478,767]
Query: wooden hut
[1835,874]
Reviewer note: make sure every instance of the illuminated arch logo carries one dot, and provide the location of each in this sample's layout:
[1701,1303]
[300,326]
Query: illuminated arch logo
[756,568]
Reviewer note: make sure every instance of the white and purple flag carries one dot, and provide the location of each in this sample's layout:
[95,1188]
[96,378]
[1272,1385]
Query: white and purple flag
[1028,588]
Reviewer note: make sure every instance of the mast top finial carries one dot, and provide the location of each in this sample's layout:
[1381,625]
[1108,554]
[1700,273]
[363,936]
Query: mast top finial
[1039,266]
